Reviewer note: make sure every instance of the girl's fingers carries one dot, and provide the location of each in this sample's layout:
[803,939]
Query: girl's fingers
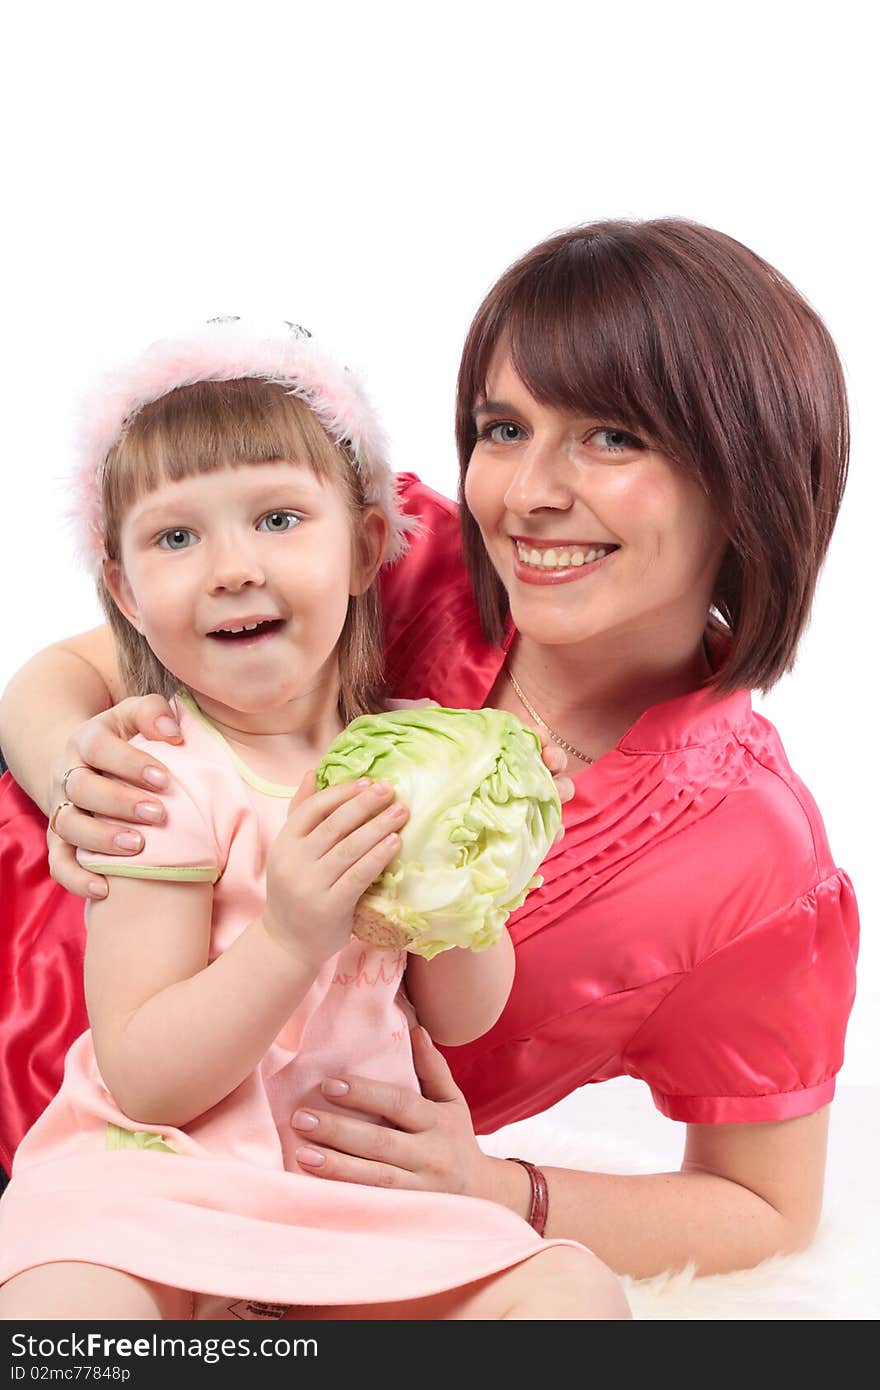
[351,805]
[312,811]
[354,882]
[364,838]
[100,795]
[305,789]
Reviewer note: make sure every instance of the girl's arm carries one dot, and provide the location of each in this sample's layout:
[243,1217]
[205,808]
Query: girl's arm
[459,994]
[744,1191]
[174,1035]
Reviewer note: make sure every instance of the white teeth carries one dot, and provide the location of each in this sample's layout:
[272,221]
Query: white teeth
[248,627]
[552,558]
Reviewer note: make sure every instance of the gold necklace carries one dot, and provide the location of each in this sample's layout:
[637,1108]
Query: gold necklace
[557,738]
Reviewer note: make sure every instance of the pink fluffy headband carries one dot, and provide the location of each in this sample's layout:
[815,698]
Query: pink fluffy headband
[228,349]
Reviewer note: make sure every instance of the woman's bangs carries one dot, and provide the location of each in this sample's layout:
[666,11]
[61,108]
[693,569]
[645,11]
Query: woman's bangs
[581,348]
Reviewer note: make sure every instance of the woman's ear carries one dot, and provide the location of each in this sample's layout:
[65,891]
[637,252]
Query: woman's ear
[121,592]
[370,545]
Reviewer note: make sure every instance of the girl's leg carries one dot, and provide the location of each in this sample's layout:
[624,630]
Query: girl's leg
[71,1291]
[560,1284]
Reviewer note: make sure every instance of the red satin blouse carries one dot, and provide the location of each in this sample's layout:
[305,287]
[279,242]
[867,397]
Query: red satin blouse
[692,930]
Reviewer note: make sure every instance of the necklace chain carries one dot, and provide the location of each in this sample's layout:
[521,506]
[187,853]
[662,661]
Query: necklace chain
[557,738]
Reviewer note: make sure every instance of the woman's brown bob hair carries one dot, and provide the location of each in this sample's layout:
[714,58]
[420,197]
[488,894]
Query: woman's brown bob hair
[683,335]
[211,425]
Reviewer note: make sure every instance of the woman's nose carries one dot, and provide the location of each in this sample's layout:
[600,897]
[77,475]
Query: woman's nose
[235,565]
[538,481]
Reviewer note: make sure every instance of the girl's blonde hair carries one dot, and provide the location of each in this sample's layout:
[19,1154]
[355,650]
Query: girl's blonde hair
[218,424]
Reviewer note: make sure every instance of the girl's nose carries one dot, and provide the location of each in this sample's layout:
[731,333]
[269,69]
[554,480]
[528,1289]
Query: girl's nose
[234,566]
[538,481]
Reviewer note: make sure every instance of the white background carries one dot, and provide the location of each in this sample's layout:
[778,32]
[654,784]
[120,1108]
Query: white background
[369,170]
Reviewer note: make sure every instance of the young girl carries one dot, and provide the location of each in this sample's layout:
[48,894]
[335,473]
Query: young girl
[235,492]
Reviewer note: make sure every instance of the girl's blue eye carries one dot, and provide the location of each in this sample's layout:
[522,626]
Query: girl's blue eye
[178,539]
[278,522]
[505,432]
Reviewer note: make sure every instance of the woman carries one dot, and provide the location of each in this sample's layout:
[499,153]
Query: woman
[653,442]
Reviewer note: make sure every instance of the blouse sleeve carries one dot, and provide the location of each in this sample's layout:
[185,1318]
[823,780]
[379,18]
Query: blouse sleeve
[184,848]
[755,1031]
[434,643]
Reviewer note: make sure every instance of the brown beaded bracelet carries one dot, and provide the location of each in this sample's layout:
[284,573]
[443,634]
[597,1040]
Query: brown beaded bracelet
[537,1217]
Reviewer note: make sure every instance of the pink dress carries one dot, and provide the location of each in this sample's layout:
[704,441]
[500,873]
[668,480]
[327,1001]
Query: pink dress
[220,1206]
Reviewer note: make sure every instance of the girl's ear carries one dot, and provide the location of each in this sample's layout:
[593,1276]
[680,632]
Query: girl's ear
[121,592]
[370,546]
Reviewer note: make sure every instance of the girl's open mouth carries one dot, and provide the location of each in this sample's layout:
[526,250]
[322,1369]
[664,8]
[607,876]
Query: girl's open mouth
[246,633]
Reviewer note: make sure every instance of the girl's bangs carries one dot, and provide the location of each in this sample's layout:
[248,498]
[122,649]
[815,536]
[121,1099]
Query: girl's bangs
[212,425]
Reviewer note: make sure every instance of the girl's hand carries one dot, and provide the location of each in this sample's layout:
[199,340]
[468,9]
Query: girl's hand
[100,774]
[428,1140]
[334,843]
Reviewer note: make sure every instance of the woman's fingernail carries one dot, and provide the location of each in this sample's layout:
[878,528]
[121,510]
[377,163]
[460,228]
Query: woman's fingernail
[166,725]
[97,889]
[364,782]
[155,776]
[426,1037]
[149,810]
[381,788]
[128,840]
[303,1119]
[334,1087]
[310,1157]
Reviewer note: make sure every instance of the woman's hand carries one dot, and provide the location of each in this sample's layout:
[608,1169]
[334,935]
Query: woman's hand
[427,1143]
[556,760]
[100,774]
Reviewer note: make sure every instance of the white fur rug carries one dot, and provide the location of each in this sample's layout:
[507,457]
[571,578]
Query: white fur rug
[835,1279]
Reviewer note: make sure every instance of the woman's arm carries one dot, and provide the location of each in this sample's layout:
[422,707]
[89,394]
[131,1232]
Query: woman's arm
[459,994]
[58,689]
[744,1192]
[43,737]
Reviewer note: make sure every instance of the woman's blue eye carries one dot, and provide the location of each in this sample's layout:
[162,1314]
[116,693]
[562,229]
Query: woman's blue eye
[503,433]
[278,522]
[178,539]
[616,440]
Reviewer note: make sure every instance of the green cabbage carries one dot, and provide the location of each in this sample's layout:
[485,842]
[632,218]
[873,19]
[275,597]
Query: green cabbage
[484,811]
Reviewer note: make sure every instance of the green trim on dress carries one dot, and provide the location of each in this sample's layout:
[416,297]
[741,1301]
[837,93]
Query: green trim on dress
[206,873]
[119,1138]
[247,774]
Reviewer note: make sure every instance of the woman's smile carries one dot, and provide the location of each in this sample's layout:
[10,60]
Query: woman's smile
[558,562]
[578,505]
